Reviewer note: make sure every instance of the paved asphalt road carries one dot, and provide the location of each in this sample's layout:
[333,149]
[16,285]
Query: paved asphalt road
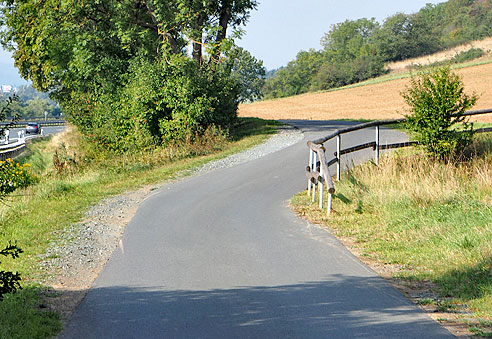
[47,130]
[221,255]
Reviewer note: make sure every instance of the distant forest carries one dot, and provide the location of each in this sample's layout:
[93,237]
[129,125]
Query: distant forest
[32,104]
[358,50]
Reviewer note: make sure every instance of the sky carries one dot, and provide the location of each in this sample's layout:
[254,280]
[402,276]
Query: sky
[279,29]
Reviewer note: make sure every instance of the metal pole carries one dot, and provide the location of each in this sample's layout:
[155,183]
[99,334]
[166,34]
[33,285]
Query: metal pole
[311,167]
[339,146]
[377,145]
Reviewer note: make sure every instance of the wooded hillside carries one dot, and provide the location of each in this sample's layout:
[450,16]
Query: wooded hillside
[355,50]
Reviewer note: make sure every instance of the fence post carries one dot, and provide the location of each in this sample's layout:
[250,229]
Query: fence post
[311,167]
[377,145]
[315,160]
[339,157]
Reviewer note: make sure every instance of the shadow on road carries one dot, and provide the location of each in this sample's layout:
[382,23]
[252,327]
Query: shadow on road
[343,306]
[320,125]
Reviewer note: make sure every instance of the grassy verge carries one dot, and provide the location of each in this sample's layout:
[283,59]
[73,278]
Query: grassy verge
[431,221]
[68,186]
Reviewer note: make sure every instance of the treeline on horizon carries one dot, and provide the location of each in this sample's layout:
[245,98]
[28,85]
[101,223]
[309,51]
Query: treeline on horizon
[30,103]
[356,50]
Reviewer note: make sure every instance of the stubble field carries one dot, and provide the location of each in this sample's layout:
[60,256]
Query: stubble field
[377,101]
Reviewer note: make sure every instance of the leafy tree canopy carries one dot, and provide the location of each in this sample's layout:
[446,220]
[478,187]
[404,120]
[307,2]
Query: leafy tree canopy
[87,53]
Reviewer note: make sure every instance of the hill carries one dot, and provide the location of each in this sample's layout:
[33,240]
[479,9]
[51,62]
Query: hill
[373,101]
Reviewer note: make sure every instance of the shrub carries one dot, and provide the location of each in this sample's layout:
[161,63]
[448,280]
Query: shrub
[471,54]
[437,102]
[13,175]
[161,101]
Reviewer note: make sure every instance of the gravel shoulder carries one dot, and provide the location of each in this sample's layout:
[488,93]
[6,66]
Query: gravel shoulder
[78,255]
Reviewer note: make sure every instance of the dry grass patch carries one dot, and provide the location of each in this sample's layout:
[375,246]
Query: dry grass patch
[377,101]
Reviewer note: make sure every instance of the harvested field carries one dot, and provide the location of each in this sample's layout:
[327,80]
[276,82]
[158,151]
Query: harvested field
[377,101]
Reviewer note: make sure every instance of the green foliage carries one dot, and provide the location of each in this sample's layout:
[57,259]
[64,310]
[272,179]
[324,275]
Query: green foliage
[350,40]
[332,75]
[296,77]
[160,102]
[405,36]
[25,315]
[248,71]
[9,282]
[462,57]
[123,72]
[471,54]
[7,109]
[437,102]
[13,176]
[32,103]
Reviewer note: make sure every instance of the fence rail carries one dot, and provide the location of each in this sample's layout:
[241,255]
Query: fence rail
[318,171]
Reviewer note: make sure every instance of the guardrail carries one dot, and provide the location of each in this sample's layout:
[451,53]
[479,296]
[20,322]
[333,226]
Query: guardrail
[12,150]
[17,147]
[318,172]
[16,124]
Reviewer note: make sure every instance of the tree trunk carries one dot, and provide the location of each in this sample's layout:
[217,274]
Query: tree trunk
[225,16]
[197,43]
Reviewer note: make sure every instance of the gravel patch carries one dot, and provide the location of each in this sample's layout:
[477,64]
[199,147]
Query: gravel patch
[286,136]
[79,253]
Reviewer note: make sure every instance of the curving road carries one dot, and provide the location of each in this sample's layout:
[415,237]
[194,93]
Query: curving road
[220,255]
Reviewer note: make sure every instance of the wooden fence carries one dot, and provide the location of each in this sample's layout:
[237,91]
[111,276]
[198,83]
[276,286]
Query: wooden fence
[318,172]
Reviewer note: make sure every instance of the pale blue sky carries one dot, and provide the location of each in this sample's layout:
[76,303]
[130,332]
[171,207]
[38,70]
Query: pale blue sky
[279,29]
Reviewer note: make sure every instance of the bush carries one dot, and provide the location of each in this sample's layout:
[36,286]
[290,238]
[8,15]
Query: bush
[161,101]
[13,175]
[471,54]
[437,102]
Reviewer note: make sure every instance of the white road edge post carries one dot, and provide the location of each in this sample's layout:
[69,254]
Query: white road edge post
[339,157]
[321,186]
[311,167]
[328,210]
[377,145]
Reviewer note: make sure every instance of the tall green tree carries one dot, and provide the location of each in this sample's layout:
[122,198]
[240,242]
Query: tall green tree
[87,54]
[296,77]
[249,72]
[350,40]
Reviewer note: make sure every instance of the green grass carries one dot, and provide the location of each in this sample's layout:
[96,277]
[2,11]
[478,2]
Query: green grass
[24,315]
[432,219]
[34,216]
